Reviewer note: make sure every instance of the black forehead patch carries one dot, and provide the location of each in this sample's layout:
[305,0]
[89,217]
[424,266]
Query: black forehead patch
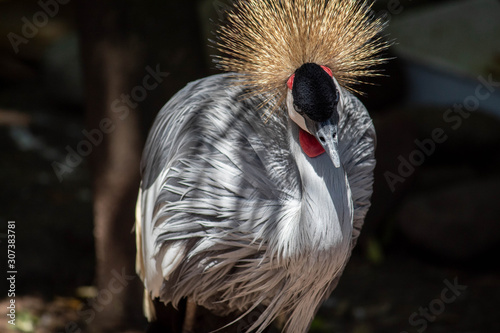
[314,92]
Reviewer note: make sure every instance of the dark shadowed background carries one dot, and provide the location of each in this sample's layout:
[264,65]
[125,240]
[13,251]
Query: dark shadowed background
[427,260]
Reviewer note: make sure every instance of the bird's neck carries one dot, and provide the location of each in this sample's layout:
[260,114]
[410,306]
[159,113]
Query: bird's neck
[326,204]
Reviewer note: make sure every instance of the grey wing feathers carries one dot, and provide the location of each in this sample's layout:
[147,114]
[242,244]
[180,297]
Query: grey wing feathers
[357,148]
[208,189]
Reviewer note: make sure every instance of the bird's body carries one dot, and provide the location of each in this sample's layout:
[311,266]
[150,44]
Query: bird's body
[227,206]
[235,213]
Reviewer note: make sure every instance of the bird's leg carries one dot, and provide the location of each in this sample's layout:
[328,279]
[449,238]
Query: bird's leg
[189,319]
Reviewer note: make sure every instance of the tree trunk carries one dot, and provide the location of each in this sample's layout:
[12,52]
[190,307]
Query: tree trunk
[127,51]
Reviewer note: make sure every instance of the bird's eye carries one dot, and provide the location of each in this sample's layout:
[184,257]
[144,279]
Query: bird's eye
[298,109]
[290,82]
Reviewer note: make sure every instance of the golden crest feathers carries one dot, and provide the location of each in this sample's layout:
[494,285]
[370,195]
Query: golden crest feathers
[268,40]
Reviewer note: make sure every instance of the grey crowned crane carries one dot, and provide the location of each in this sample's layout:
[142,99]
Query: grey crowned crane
[256,183]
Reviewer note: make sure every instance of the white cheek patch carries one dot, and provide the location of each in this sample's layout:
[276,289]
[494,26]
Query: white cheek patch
[297,118]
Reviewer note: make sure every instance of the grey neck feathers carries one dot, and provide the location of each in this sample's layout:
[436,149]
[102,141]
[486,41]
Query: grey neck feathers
[327,210]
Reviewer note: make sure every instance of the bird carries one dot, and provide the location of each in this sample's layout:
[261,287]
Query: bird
[256,181]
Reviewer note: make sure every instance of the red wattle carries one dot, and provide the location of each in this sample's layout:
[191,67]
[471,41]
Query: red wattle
[310,145]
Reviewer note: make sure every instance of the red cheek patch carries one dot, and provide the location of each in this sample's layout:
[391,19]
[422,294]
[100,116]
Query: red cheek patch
[290,82]
[310,145]
[327,70]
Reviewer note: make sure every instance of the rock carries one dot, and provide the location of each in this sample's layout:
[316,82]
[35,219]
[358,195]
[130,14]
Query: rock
[446,205]
[453,209]
[460,221]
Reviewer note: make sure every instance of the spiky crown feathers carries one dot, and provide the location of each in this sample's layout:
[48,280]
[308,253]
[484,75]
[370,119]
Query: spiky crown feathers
[268,40]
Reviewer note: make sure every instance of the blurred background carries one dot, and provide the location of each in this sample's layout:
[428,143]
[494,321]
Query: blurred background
[427,259]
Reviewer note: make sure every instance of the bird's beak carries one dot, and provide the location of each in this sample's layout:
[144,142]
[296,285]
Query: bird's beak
[326,133]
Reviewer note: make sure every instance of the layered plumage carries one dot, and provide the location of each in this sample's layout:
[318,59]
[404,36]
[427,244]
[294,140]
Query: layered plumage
[232,213]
